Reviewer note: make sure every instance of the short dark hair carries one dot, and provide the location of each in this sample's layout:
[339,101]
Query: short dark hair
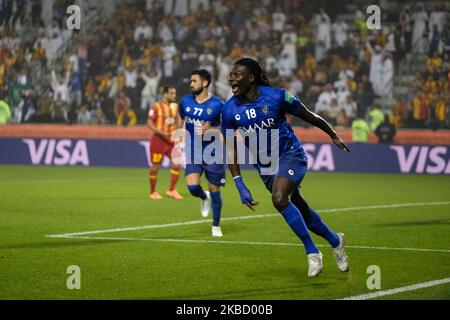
[167,88]
[256,69]
[203,74]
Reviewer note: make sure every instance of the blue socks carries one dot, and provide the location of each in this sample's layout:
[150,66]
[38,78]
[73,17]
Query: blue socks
[216,205]
[197,191]
[216,201]
[295,220]
[316,225]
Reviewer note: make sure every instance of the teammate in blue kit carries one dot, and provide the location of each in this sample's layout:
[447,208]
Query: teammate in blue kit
[258,109]
[201,112]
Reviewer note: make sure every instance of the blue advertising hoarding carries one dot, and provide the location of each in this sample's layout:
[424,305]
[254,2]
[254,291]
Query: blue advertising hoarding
[371,158]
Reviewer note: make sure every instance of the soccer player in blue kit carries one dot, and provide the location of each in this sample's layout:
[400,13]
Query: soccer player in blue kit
[256,107]
[201,113]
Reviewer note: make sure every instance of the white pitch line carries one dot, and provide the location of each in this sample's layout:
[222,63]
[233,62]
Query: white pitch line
[156,226]
[398,205]
[278,244]
[399,290]
[177,224]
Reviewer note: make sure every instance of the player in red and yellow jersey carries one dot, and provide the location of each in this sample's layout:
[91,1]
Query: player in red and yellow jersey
[162,120]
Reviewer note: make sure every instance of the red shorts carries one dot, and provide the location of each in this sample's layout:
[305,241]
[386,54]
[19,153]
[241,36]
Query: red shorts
[160,148]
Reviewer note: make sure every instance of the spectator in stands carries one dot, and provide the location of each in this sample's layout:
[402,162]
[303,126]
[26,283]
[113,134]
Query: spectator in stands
[333,113]
[27,107]
[364,95]
[36,10]
[295,85]
[445,40]
[376,117]
[76,93]
[284,65]
[387,76]
[143,31]
[405,20]
[419,18]
[220,8]
[289,42]
[340,29]
[181,8]
[420,110]
[44,108]
[19,11]
[127,117]
[447,113]
[11,41]
[342,119]
[60,109]
[393,44]
[61,86]
[221,35]
[223,65]
[6,10]
[376,65]
[304,40]
[360,129]
[349,107]
[438,18]
[98,117]
[400,116]
[278,19]
[131,77]
[54,42]
[323,35]
[95,101]
[438,112]
[84,116]
[342,86]
[40,55]
[434,40]
[27,32]
[361,23]
[16,90]
[386,131]
[324,101]
[148,95]
[206,61]
[434,63]
[122,101]
[5,110]
[169,53]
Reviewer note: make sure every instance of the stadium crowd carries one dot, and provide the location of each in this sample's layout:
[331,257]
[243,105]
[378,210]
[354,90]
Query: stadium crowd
[116,73]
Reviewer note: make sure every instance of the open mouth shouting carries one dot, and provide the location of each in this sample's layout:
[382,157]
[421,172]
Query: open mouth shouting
[234,87]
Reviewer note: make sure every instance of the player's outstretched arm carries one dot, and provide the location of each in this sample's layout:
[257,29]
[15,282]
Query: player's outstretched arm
[320,123]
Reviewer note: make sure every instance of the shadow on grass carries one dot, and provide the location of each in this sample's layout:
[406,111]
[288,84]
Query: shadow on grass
[100,198]
[303,288]
[415,223]
[79,242]
[52,243]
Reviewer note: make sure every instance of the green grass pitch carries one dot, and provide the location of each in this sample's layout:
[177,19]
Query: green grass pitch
[185,262]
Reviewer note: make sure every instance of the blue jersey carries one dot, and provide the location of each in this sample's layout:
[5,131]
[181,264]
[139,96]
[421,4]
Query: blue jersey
[267,112]
[195,115]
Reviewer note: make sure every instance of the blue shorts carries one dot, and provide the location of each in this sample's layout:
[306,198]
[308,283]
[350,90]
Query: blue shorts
[292,166]
[214,173]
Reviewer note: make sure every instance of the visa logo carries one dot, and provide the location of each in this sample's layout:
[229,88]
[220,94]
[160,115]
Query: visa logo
[320,158]
[58,152]
[432,160]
